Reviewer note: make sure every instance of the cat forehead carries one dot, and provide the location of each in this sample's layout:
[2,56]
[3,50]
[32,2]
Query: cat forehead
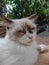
[20,20]
[24,22]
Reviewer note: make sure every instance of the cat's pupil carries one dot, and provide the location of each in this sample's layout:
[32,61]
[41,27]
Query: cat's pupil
[30,31]
[8,27]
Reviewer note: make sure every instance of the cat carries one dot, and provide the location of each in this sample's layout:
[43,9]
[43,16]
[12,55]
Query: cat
[19,47]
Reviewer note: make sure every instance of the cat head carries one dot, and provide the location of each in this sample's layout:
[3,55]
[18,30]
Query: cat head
[22,30]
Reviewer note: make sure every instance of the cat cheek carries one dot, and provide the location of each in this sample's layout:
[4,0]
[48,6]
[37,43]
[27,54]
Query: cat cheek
[17,35]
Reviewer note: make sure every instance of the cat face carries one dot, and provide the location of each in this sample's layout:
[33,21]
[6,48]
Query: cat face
[22,31]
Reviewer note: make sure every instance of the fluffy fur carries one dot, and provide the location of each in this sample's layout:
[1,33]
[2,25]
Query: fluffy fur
[19,47]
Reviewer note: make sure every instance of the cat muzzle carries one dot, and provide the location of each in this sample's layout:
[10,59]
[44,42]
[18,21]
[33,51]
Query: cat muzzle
[30,41]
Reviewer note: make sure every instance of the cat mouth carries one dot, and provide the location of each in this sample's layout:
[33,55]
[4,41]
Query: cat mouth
[30,41]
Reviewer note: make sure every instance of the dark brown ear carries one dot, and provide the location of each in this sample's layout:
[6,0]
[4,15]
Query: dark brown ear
[33,17]
[5,21]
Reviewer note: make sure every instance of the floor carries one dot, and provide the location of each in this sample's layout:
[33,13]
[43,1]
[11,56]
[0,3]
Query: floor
[43,40]
[43,57]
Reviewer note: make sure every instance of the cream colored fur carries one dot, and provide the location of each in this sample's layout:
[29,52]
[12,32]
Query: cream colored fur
[16,50]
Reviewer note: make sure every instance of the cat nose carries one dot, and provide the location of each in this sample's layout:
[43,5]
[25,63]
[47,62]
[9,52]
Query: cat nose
[30,37]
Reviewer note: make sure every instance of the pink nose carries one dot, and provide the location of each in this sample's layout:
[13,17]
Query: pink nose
[30,37]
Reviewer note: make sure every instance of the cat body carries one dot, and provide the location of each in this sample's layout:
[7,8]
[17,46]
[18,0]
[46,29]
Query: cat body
[19,47]
[15,54]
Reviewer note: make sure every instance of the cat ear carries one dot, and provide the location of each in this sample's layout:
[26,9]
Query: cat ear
[33,17]
[5,21]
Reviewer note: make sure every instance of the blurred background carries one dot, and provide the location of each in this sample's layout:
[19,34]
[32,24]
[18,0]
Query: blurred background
[24,8]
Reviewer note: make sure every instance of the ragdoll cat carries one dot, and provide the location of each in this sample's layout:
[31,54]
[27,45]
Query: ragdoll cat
[19,47]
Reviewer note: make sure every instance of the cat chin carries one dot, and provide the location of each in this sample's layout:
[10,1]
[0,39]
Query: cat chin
[26,44]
